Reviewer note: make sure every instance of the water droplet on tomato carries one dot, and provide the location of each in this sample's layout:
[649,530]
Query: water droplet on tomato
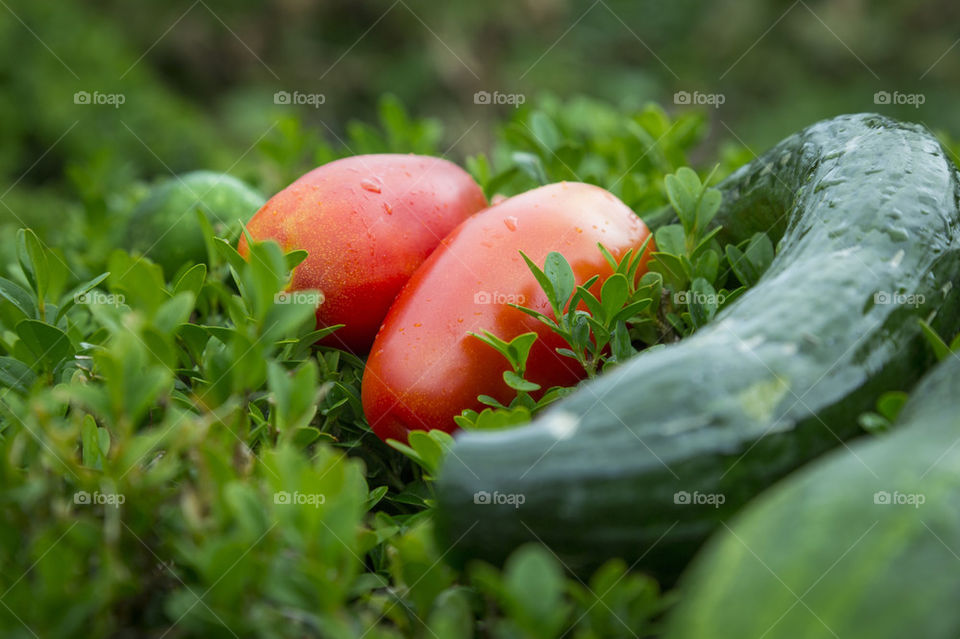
[511,223]
[371,184]
[388,208]
[417,325]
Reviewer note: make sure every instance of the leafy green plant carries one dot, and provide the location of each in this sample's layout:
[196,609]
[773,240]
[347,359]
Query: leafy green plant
[604,324]
[179,456]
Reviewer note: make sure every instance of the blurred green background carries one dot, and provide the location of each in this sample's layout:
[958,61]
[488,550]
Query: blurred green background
[199,80]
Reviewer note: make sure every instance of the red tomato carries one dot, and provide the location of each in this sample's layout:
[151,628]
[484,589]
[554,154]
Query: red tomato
[424,368]
[368,222]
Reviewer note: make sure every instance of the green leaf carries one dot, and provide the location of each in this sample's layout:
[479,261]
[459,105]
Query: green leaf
[690,180]
[545,131]
[632,309]
[621,346]
[33,261]
[493,419]
[499,345]
[534,584]
[592,303]
[702,302]
[95,443]
[427,448]
[174,311]
[707,265]
[709,205]
[561,277]
[874,423]
[741,266]
[613,296]
[19,297]
[138,280]
[580,330]
[540,276]
[375,496]
[672,269]
[705,241]
[531,165]
[294,258]
[760,252]
[452,615]
[48,344]
[192,280]
[518,383]
[670,239]
[682,197]
[608,256]
[519,348]
[635,260]
[70,299]
[16,375]
[890,403]
[940,348]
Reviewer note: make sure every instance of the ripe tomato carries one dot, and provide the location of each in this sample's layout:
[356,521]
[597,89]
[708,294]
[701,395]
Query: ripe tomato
[368,222]
[424,368]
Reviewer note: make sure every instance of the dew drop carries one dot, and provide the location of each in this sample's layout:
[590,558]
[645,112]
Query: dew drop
[510,222]
[370,184]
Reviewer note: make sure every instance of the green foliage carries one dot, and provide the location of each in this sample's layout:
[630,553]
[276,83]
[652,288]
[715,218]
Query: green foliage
[604,323]
[584,140]
[178,454]
[178,449]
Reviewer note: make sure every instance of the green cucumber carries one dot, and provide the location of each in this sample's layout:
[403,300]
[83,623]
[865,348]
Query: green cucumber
[164,226]
[865,213]
[863,543]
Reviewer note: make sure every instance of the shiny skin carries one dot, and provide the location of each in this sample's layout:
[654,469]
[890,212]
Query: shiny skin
[424,367]
[367,222]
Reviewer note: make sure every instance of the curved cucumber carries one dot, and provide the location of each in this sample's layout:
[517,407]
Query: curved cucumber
[644,463]
[863,543]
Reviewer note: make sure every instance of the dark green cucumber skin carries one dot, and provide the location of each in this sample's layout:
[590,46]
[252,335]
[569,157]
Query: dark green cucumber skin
[860,204]
[884,571]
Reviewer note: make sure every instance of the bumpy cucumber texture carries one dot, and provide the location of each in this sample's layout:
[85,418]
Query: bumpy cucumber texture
[646,462]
